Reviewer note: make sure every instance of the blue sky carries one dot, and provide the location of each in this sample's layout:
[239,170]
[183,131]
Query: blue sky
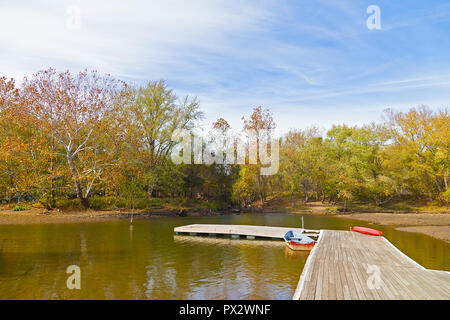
[310,62]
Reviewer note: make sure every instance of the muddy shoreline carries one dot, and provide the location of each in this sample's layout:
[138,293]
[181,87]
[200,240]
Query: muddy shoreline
[8,217]
[436,225]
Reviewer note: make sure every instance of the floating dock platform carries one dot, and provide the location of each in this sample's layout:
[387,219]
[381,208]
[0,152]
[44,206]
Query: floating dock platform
[347,265]
[240,231]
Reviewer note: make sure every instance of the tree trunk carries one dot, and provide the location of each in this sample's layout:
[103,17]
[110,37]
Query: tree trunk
[445,182]
[260,191]
[84,201]
[150,191]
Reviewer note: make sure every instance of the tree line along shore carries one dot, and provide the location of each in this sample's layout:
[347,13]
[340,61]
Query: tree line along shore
[90,141]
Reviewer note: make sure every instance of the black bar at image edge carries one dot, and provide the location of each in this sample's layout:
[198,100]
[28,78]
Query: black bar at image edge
[209,309]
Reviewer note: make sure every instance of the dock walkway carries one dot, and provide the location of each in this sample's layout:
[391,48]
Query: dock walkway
[345,265]
[239,230]
[353,266]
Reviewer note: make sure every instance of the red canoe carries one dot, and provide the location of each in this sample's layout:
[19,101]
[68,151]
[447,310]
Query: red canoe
[369,231]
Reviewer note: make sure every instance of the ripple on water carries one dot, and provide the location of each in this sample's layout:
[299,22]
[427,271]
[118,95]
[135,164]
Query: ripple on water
[147,261]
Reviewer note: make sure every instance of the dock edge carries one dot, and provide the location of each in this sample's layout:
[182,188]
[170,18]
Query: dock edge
[301,282]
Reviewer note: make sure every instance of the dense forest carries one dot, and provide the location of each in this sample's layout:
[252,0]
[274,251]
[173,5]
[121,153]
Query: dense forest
[91,141]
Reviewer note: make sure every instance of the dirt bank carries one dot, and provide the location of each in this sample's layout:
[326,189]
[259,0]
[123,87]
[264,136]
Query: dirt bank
[40,216]
[438,232]
[436,225]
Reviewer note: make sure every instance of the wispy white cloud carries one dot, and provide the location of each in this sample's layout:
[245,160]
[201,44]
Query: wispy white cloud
[311,63]
[120,37]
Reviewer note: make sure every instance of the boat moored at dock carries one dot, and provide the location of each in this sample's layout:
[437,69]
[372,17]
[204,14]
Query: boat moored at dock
[297,241]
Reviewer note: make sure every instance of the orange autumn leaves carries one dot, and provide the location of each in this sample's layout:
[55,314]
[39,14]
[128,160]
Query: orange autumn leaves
[71,135]
[54,127]
[86,135]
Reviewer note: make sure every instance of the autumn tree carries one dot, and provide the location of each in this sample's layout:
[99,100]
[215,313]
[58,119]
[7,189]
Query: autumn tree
[304,168]
[151,115]
[222,175]
[11,148]
[419,157]
[258,128]
[73,111]
[356,153]
[92,137]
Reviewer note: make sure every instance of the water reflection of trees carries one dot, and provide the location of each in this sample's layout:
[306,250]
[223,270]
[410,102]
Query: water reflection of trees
[149,262]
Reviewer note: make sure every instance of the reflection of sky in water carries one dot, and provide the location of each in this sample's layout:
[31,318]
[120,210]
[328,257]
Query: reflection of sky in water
[147,261]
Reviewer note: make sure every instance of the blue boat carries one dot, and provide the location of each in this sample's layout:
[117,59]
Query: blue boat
[297,241]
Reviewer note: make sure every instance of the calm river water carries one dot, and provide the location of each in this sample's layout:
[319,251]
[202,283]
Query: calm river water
[147,261]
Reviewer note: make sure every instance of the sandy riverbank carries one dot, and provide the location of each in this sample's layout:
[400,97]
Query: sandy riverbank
[436,225]
[40,216]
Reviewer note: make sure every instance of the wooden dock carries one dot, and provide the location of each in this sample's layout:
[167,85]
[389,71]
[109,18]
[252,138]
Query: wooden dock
[353,266]
[345,265]
[227,242]
[240,230]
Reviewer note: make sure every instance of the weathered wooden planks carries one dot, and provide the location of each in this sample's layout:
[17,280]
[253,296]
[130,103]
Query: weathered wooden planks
[239,230]
[343,264]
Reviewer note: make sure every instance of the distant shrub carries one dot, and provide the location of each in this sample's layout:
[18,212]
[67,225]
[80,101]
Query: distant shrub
[97,202]
[139,203]
[20,208]
[331,210]
[445,196]
[212,205]
[178,201]
[64,203]
[118,203]
[401,207]
[101,202]
[186,202]
[156,202]
[108,203]
[37,205]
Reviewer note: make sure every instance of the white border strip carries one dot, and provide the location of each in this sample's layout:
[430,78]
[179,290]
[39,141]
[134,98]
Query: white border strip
[301,282]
